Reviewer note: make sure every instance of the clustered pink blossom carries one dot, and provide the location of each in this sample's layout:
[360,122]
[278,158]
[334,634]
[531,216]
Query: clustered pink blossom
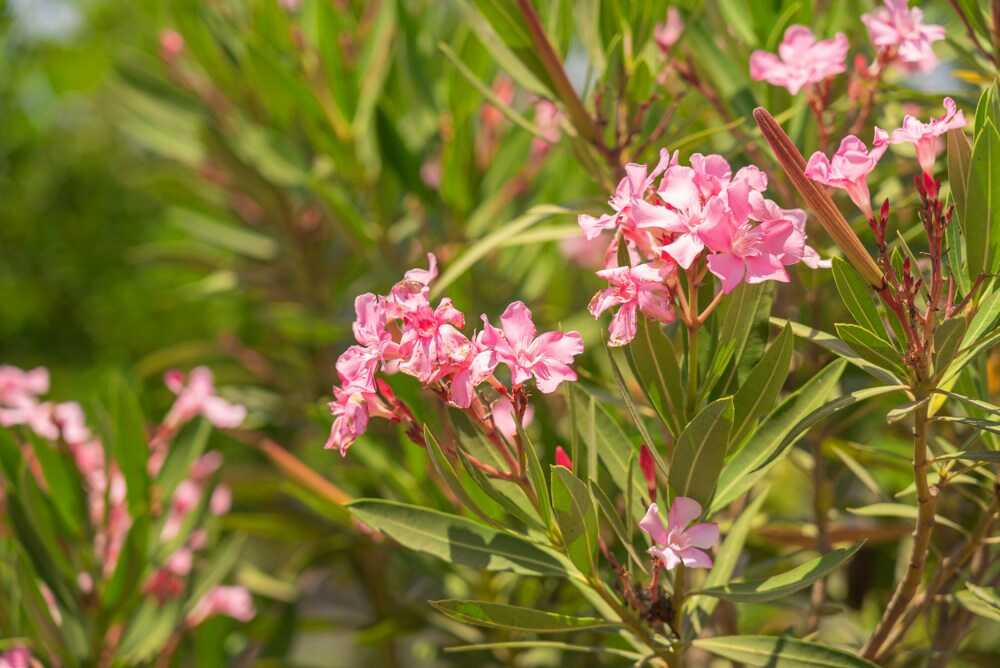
[802,60]
[16,657]
[901,36]
[677,542]
[926,136]
[700,212]
[849,167]
[667,33]
[104,483]
[402,332]
[234,602]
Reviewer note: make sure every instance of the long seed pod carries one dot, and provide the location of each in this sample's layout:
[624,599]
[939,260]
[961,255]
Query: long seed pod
[818,200]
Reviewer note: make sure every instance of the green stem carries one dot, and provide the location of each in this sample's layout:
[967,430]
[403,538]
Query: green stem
[680,592]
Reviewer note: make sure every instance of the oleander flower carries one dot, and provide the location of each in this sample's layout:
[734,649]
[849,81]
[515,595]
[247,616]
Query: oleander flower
[677,542]
[546,357]
[849,167]
[235,602]
[667,33]
[899,30]
[563,459]
[801,60]
[632,289]
[502,411]
[16,383]
[196,396]
[16,657]
[924,136]
[350,411]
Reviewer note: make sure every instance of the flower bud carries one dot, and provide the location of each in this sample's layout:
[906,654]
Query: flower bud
[562,459]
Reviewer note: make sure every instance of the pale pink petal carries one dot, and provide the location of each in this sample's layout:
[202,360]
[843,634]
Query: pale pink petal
[695,558]
[623,325]
[653,525]
[728,268]
[705,535]
[517,324]
[683,511]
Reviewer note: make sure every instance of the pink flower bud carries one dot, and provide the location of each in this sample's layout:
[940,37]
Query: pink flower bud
[562,459]
[648,468]
[171,45]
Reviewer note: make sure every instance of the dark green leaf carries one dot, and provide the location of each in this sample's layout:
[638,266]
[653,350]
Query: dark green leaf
[577,518]
[759,391]
[780,652]
[700,451]
[514,618]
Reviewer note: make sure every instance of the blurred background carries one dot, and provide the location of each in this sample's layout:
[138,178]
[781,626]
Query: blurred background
[211,182]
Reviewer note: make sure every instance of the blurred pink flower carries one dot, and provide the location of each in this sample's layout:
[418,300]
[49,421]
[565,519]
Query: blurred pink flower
[234,602]
[849,168]
[925,136]
[171,44]
[16,383]
[899,30]
[350,410]
[677,543]
[196,396]
[667,33]
[802,60]
[502,411]
[35,415]
[546,358]
[632,289]
[547,120]
[16,657]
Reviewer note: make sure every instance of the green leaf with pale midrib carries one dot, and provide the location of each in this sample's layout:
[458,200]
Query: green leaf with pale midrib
[455,539]
[699,452]
[780,652]
[516,618]
[783,584]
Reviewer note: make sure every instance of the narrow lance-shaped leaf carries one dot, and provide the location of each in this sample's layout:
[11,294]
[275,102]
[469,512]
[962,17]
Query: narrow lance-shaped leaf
[700,451]
[455,539]
[758,392]
[516,618]
[783,584]
[857,297]
[780,652]
[577,518]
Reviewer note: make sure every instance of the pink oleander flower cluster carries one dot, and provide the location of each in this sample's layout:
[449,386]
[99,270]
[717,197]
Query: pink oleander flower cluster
[667,33]
[897,32]
[901,36]
[698,217]
[402,332]
[16,657]
[850,165]
[105,486]
[802,60]
[679,542]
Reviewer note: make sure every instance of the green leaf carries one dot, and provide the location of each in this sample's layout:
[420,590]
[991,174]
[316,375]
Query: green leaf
[750,463]
[973,455]
[515,618]
[959,164]
[455,539]
[536,475]
[780,652]
[783,584]
[182,456]
[612,516]
[126,581]
[982,228]
[901,510]
[128,444]
[544,644]
[872,348]
[759,391]
[602,435]
[725,561]
[577,518]
[491,242]
[654,362]
[982,601]
[447,473]
[947,342]
[700,451]
[64,484]
[223,559]
[743,318]
[837,347]
[857,297]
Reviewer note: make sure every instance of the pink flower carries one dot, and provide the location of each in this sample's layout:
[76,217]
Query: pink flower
[35,415]
[466,362]
[547,120]
[16,657]
[648,468]
[546,358]
[16,383]
[428,337]
[925,135]
[72,422]
[502,411]
[849,168]
[411,292]
[197,397]
[234,602]
[350,408]
[677,543]
[640,288]
[897,29]
[667,33]
[801,60]
[562,459]
[631,189]
[171,45]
